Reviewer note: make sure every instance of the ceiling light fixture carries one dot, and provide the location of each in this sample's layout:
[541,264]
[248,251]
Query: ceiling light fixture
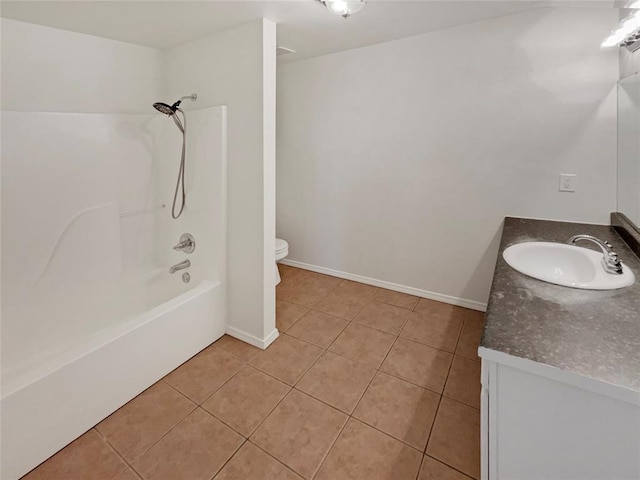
[344,8]
[627,34]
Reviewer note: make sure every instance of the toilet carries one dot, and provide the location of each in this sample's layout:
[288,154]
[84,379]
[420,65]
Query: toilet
[282,250]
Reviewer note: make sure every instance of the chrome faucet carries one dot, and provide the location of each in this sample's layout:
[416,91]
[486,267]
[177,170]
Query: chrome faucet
[610,261]
[187,244]
[180,266]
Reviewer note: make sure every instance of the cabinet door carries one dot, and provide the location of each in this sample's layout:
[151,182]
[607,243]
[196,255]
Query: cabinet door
[544,429]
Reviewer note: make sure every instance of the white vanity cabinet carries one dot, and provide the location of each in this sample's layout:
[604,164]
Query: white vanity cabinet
[540,422]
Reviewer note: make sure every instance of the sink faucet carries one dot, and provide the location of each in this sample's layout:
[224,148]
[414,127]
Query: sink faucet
[180,266]
[610,261]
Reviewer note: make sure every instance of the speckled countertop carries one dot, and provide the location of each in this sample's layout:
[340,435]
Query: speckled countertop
[591,333]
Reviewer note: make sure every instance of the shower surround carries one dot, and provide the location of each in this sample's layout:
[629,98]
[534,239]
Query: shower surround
[90,313]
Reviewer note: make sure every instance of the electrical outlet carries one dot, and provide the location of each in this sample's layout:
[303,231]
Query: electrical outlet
[567,182]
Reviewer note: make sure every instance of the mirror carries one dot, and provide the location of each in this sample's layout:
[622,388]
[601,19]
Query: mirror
[629,147]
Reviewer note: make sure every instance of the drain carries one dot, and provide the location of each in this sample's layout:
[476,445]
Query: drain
[186,277]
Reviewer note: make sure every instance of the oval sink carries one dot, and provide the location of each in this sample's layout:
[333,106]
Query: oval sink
[565,265]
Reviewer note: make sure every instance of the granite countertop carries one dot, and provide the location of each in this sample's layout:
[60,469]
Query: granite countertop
[591,333]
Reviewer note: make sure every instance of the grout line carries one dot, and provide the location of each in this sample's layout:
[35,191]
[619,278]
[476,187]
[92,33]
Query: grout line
[450,466]
[137,457]
[113,449]
[308,309]
[310,366]
[222,385]
[270,412]
[162,436]
[244,440]
[176,390]
[420,467]
[275,458]
[314,344]
[326,455]
[429,346]
[435,417]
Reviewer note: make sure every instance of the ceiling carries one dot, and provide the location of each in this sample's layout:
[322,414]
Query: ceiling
[303,25]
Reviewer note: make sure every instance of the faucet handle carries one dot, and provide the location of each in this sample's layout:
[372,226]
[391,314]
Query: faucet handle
[611,263]
[187,244]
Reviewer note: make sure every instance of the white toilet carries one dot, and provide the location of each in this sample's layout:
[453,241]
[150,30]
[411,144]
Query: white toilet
[282,250]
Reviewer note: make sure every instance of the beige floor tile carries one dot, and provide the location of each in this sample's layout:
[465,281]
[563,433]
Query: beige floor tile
[319,280]
[455,439]
[287,358]
[363,453]
[434,470]
[436,331]
[342,305]
[356,289]
[128,474]
[204,374]
[318,328]
[303,292]
[463,383]
[397,299]
[239,349]
[336,380]
[196,449]
[400,409]
[88,456]
[363,344]
[419,364]
[287,314]
[471,334]
[136,426]
[245,400]
[382,316]
[300,432]
[440,309]
[251,463]
[287,272]
[474,316]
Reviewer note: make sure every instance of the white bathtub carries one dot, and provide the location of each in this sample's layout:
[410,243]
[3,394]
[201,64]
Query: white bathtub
[90,314]
[46,407]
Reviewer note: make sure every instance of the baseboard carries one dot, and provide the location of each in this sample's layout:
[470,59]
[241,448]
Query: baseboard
[461,302]
[252,339]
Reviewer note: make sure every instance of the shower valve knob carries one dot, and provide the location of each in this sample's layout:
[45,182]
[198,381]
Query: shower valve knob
[187,244]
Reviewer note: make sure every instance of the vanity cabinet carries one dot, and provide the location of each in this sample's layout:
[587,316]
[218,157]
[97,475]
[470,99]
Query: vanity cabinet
[540,422]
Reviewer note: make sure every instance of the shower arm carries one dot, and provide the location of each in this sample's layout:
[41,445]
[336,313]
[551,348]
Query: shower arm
[193,97]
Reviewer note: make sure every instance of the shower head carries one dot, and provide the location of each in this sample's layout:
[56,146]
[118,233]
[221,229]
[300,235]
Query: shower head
[164,108]
[171,109]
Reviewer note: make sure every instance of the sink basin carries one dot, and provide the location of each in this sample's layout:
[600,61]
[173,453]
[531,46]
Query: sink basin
[565,265]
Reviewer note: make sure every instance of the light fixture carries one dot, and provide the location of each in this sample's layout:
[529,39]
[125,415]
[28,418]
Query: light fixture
[627,34]
[344,8]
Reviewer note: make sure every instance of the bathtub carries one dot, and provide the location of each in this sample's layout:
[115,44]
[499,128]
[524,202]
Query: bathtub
[46,406]
[91,316]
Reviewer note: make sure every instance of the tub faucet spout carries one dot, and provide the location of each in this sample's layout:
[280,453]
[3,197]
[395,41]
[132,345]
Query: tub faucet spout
[180,266]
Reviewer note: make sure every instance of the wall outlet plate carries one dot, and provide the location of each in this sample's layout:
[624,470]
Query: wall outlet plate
[567,182]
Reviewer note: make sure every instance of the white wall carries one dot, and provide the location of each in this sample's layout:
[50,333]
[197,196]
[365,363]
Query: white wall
[50,70]
[235,68]
[399,161]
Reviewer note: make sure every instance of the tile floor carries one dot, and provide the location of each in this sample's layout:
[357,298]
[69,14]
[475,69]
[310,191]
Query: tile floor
[363,383]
